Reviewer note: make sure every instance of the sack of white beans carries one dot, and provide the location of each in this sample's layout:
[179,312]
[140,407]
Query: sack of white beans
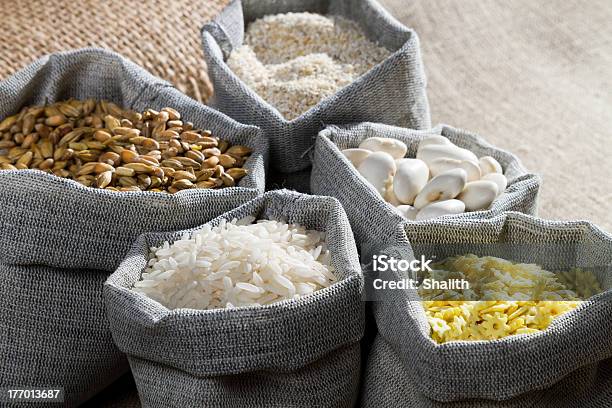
[371,215]
[260,307]
[566,362]
[313,74]
[60,240]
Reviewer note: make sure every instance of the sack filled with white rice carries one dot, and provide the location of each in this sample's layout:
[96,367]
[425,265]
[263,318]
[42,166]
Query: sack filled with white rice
[260,307]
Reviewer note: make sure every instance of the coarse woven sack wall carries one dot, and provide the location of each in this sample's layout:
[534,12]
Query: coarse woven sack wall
[296,353]
[58,222]
[54,332]
[59,241]
[372,217]
[568,364]
[393,92]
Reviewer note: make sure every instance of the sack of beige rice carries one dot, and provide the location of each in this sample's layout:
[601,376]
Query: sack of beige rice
[515,311]
[260,307]
[91,157]
[385,176]
[291,67]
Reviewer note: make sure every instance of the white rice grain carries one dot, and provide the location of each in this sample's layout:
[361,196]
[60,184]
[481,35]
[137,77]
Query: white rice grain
[238,264]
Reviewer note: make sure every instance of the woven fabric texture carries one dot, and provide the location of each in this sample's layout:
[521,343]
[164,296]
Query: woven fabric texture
[392,92]
[54,332]
[58,222]
[511,372]
[297,353]
[371,217]
[163,37]
[388,385]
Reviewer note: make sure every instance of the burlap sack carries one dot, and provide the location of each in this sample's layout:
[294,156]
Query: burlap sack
[565,365]
[371,217]
[299,353]
[393,92]
[57,222]
[56,331]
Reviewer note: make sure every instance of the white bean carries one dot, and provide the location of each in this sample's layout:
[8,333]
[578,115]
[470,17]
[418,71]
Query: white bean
[445,186]
[377,168]
[440,208]
[432,152]
[356,156]
[443,164]
[434,140]
[409,180]
[499,179]
[394,147]
[407,211]
[489,165]
[478,195]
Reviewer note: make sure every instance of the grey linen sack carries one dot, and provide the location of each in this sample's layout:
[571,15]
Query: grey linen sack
[371,217]
[295,353]
[567,365]
[59,240]
[392,92]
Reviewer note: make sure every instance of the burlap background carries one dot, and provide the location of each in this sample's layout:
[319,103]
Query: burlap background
[162,36]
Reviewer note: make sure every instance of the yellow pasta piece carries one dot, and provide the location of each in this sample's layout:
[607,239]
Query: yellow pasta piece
[513,298]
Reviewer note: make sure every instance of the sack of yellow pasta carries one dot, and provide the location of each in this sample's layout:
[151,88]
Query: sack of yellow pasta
[512,311]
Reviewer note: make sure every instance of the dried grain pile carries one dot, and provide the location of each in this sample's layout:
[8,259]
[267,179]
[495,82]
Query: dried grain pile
[295,60]
[238,264]
[98,144]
